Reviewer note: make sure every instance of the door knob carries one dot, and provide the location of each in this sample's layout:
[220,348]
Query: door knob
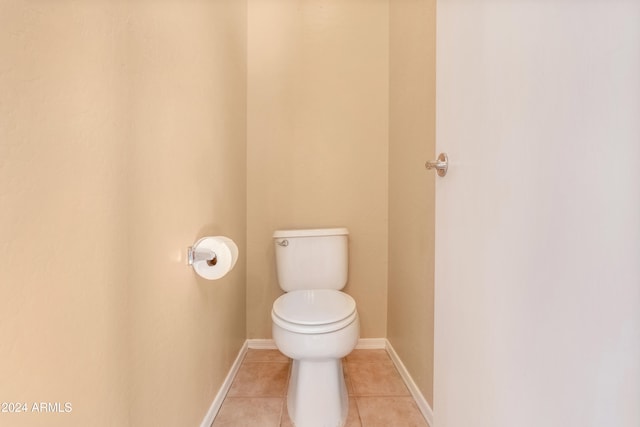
[441,165]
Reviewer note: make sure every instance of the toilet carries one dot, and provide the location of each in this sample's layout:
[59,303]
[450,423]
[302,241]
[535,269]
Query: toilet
[314,323]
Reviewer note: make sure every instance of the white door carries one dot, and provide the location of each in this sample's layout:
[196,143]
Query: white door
[538,220]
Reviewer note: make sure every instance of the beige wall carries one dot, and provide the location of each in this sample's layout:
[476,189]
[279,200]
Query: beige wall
[187,180]
[122,140]
[411,187]
[317,122]
[63,243]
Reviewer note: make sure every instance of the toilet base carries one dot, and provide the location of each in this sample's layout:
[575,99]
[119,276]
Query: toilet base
[312,400]
[317,395]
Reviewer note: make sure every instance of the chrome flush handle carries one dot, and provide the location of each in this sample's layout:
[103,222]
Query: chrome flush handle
[283,243]
[441,165]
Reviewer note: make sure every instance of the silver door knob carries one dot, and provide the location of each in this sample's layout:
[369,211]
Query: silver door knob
[441,165]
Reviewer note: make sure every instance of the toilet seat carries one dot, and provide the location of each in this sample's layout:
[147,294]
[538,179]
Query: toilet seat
[316,311]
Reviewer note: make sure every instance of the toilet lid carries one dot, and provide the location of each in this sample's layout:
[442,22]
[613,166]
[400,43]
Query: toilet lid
[314,307]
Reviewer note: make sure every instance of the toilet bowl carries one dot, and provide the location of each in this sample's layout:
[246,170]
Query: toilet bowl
[316,328]
[314,323]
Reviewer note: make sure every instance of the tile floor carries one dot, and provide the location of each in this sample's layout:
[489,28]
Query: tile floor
[377,394]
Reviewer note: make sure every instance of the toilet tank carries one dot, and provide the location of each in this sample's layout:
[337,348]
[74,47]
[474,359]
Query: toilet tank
[312,258]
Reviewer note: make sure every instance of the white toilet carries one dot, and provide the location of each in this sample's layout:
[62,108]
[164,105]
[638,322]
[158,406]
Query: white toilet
[314,323]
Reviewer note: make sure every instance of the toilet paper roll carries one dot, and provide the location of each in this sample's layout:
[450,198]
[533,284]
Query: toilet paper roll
[234,249]
[226,256]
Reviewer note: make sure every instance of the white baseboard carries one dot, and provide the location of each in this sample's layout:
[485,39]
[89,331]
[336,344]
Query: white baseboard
[224,388]
[363,343]
[262,344]
[371,343]
[422,403]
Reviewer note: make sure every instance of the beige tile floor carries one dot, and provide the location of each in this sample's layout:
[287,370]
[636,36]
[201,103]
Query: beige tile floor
[377,394]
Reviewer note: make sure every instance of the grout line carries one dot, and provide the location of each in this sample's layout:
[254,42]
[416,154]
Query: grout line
[281,420]
[357,410]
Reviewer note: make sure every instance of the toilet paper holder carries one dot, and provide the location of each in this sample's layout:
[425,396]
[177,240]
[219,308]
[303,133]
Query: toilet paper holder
[212,257]
[201,254]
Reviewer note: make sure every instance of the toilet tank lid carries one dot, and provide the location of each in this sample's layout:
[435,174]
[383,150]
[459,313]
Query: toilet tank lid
[311,232]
